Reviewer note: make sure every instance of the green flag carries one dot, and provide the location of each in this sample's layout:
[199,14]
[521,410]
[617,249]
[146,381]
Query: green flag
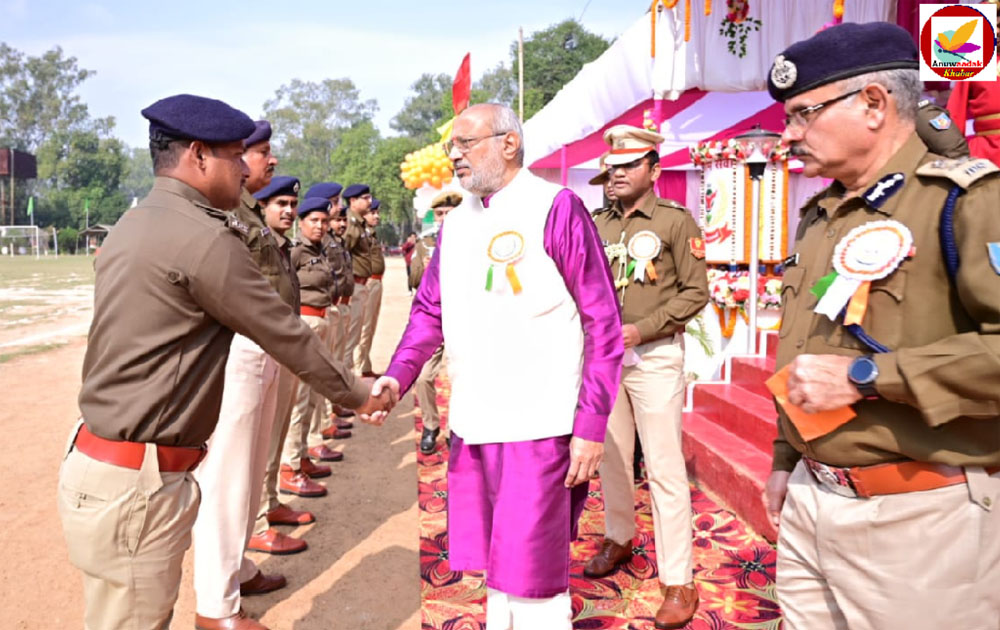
[31,206]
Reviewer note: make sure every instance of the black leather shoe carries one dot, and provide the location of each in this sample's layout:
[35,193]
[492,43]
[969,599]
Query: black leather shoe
[428,440]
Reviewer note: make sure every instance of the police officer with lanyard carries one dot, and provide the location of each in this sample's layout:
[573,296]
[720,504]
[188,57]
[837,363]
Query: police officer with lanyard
[886,477]
[174,282]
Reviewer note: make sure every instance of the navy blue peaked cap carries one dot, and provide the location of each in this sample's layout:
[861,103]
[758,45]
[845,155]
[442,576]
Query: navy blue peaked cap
[324,190]
[189,117]
[313,204]
[375,204]
[280,185]
[356,190]
[261,133]
[840,52]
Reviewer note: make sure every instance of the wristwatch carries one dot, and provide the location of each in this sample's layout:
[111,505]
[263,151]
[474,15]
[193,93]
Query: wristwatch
[862,373]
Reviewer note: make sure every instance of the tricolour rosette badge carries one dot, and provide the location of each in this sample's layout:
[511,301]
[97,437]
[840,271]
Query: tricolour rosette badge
[643,248]
[506,248]
[869,252]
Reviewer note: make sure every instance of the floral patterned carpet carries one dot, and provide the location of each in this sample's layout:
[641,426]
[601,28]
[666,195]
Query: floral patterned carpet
[734,568]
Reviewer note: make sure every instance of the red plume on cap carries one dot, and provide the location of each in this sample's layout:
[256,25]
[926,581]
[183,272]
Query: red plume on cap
[461,87]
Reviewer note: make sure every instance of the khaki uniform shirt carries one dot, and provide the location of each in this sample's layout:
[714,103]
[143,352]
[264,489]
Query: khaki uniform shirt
[285,247]
[316,282]
[340,262]
[264,249]
[174,282]
[378,258]
[422,250]
[360,245]
[940,382]
[659,308]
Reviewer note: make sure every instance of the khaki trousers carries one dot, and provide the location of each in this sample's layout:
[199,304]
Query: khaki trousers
[306,401]
[914,561]
[127,530]
[345,324]
[287,388]
[362,354]
[651,400]
[230,478]
[425,391]
[335,336]
[359,302]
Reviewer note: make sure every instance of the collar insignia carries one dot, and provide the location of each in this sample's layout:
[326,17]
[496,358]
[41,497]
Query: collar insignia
[884,188]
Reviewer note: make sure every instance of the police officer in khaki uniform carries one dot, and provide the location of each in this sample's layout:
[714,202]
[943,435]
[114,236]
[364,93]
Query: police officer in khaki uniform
[232,472]
[659,266]
[887,482]
[424,388]
[359,201]
[603,179]
[343,273]
[315,281]
[373,305]
[280,202]
[173,283]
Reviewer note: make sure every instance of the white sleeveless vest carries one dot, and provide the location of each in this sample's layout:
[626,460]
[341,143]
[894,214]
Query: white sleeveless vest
[514,360]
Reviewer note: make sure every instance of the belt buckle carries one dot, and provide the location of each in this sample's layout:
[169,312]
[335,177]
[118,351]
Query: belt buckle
[833,479]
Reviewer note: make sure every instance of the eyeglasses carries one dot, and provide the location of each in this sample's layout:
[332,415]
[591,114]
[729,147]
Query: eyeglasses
[464,145]
[804,116]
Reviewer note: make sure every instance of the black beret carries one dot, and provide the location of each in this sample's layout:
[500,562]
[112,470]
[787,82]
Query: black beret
[356,190]
[375,204]
[261,133]
[324,190]
[280,185]
[188,117]
[313,204]
[840,52]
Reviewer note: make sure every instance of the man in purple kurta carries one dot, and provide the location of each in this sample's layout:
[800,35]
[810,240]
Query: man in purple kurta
[519,288]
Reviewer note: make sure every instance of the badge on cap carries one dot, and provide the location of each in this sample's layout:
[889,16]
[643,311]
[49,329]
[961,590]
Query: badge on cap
[783,73]
[941,122]
[993,249]
[295,187]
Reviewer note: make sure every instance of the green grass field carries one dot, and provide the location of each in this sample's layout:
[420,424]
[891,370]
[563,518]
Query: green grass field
[46,273]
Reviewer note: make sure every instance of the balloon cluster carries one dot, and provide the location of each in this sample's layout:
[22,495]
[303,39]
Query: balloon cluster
[429,165]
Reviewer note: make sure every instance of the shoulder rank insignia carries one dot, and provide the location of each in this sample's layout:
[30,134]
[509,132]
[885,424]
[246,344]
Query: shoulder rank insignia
[884,188]
[941,122]
[265,231]
[962,171]
[237,226]
[697,247]
[993,250]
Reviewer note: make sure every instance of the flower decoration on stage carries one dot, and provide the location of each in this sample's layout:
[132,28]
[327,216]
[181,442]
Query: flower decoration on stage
[647,120]
[733,149]
[429,165]
[729,292]
[737,26]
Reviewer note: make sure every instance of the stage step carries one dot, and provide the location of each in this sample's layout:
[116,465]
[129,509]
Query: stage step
[730,469]
[751,374]
[739,411]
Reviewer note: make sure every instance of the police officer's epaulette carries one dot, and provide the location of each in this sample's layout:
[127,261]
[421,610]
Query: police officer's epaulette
[596,213]
[670,203]
[215,213]
[237,226]
[962,171]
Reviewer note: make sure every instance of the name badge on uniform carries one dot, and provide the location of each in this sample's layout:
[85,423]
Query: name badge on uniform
[643,247]
[506,248]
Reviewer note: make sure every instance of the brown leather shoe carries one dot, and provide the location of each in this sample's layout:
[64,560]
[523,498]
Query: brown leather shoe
[335,433]
[284,515]
[343,412]
[260,584]
[274,542]
[608,558]
[323,453]
[340,423]
[298,483]
[239,621]
[371,374]
[679,604]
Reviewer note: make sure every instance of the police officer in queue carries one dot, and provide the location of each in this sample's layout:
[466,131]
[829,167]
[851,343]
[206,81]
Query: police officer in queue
[658,260]
[232,472]
[885,484]
[174,282]
[315,280]
[358,198]
[280,200]
[373,305]
[443,203]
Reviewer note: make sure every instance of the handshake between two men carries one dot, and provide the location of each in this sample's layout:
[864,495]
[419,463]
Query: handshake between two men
[383,397]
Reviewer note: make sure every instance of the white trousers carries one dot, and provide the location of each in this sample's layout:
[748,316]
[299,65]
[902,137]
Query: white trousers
[509,612]
[231,477]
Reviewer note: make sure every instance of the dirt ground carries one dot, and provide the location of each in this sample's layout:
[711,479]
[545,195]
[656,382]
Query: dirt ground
[361,569]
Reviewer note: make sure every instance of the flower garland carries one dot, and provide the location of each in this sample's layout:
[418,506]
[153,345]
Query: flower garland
[729,292]
[733,149]
[737,26]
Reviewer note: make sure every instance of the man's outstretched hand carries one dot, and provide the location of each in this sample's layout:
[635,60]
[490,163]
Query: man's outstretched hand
[384,396]
[584,460]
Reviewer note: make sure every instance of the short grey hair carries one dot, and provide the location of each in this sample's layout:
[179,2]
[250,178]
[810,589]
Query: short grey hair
[904,84]
[506,121]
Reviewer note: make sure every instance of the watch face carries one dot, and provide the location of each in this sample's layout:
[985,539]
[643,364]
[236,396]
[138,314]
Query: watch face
[863,370]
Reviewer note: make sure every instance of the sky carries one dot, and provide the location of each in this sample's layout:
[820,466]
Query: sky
[242,52]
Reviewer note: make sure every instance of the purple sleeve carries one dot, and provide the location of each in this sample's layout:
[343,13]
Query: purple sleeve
[572,241]
[423,332]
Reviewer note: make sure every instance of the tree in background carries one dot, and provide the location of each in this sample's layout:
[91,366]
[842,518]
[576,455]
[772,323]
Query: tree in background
[138,174]
[309,119]
[427,109]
